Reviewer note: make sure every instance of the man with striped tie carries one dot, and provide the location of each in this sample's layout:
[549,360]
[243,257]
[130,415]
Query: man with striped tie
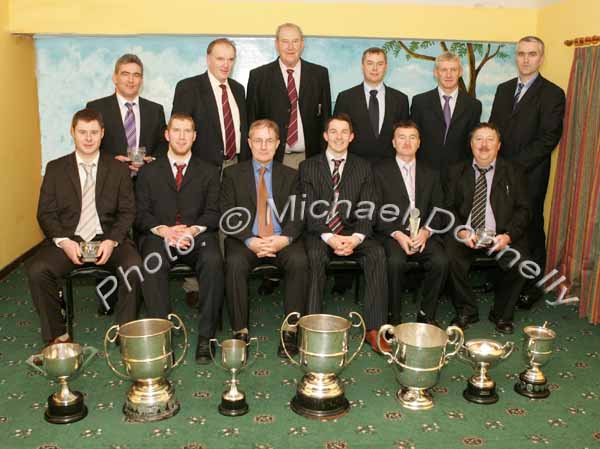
[68,214]
[488,193]
[338,186]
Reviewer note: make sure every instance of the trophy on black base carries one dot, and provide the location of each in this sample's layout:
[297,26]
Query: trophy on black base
[234,358]
[61,361]
[537,350]
[483,354]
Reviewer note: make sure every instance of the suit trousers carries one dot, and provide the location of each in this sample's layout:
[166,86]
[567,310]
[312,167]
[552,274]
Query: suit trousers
[507,280]
[51,263]
[435,264]
[536,238]
[371,257]
[205,259]
[240,260]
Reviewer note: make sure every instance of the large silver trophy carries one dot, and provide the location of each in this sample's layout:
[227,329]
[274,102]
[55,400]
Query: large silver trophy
[482,355]
[62,361]
[419,352]
[414,223]
[537,350]
[146,352]
[323,350]
[234,357]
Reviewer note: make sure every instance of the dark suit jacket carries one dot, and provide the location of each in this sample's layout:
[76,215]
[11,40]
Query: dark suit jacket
[532,131]
[365,144]
[158,200]
[238,189]
[427,113]
[356,185]
[59,207]
[508,198]
[268,98]
[391,190]
[194,96]
[152,126]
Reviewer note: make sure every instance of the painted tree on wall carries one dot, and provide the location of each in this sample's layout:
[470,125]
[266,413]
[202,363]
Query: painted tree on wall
[470,50]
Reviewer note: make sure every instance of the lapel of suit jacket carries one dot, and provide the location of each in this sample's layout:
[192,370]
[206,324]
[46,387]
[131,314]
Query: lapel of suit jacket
[347,174]
[101,175]
[529,93]
[388,111]
[436,106]
[166,172]
[277,187]
[420,188]
[190,172]
[497,181]
[362,108]
[459,107]
[305,78]
[278,83]
[72,172]
[248,173]
[397,181]
[116,113]
[238,96]
[144,125]
[207,94]
[468,183]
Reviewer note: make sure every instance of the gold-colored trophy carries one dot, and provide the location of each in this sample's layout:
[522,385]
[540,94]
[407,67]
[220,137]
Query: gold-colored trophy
[62,361]
[537,350]
[234,358]
[146,352]
[414,223]
[89,251]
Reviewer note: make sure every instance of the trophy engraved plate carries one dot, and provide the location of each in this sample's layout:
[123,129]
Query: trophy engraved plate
[89,251]
[538,347]
[62,361]
[146,352]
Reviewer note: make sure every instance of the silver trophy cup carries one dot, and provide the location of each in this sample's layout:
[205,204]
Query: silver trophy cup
[136,155]
[89,251]
[537,350]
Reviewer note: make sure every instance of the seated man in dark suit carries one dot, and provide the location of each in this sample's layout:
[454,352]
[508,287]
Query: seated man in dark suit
[130,121]
[412,187]
[177,217]
[271,236]
[373,108]
[490,193]
[69,214]
[343,228]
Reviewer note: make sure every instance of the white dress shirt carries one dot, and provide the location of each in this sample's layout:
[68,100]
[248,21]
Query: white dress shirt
[380,88]
[300,145]
[453,96]
[235,112]
[526,86]
[136,113]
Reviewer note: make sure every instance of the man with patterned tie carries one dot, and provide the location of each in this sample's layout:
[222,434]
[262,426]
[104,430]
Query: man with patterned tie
[177,219]
[490,193]
[216,103]
[130,120]
[373,108]
[295,94]
[445,116]
[529,112]
[339,188]
[269,192]
[85,195]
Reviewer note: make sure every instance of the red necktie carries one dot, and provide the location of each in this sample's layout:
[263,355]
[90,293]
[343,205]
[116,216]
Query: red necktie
[178,181]
[230,150]
[292,136]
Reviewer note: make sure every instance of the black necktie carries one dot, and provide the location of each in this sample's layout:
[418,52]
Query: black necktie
[374,112]
[479,199]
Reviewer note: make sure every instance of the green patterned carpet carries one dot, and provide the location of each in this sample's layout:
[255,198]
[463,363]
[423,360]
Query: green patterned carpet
[568,419]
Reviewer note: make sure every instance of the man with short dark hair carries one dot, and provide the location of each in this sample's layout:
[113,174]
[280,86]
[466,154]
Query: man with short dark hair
[177,217]
[487,193]
[271,235]
[529,111]
[69,214]
[373,108]
[413,188]
[340,196]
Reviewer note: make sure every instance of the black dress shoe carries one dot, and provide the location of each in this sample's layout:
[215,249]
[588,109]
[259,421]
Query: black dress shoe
[526,302]
[291,344]
[203,351]
[502,326]
[463,321]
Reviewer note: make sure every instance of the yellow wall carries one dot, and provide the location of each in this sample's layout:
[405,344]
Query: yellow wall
[20,151]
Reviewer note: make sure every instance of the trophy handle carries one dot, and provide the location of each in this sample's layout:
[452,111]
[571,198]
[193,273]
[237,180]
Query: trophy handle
[91,352]
[185,337]
[381,334]
[251,362]
[286,321]
[508,347]
[108,339]
[361,323]
[458,341]
[31,363]
[212,354]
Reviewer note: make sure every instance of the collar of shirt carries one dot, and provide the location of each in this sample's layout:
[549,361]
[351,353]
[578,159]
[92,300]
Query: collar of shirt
[215,83]
[174,160]
[331,155]
[379,88]
[122,100]
[402,164]
[257,165]
[285,68]
[79,160]
[526,85]
[453,95]
[492,166]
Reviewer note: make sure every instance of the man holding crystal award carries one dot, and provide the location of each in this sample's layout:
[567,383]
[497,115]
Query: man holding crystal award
[408,191]
[488,198]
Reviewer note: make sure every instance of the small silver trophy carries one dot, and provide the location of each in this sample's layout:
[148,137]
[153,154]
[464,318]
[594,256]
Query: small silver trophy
[136,154]
[484,237]
[89,251]
[414,223]
[538,347]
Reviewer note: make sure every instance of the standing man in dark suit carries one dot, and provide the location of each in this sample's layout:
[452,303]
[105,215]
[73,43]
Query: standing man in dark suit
[85,196]
[295,94]
[373,108]
[216,103]
[487,192]
[445,116]
[529,111]
[342,227]
[130,120]
[409,184]
[177,215]
[272,236]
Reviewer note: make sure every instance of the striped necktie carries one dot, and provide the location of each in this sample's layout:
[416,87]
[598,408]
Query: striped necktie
[292,136]
[334,219]
[86,228]
[230,148]
[129,124]
[518,95]
[479,199]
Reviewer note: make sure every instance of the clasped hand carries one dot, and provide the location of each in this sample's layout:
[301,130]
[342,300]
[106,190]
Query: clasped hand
[268,246]
[179,236]
[343,245]
[412,246]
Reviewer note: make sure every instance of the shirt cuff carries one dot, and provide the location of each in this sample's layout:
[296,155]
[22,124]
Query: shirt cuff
[155,229]
[57,241]
[247,241]
[360,236]
[200,229]
[326,236]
